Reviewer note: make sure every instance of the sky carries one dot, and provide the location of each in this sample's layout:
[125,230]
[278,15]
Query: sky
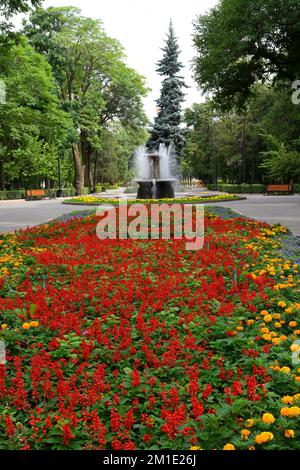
[141,27]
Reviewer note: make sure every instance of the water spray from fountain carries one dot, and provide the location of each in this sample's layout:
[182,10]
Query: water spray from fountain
[156,172]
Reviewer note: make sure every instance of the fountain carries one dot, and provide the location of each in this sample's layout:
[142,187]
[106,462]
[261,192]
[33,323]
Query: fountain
[156,172]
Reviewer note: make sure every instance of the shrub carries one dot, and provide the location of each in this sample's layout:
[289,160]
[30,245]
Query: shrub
[238,188]
[297,188]
[131,190]
[14,194]
[98,188]
[20,193]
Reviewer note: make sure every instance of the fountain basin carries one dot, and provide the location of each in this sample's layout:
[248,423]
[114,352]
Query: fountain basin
[156,189]
[155,172]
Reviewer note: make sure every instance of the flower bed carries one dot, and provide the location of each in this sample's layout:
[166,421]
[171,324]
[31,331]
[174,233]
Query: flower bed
[141,344]
[96,201]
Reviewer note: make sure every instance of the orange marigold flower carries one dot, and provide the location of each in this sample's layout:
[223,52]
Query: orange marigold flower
[268,418]
[229,447]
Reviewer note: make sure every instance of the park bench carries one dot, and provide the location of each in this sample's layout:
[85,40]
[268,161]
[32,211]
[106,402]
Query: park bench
[35,194]
[280,188]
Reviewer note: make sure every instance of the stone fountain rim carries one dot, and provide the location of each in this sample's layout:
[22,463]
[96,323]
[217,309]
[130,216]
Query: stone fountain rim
[164,180]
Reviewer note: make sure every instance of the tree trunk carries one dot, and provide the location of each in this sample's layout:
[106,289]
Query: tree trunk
[88,173]
[244,153]
[78,169]
[95,177]
[2,182]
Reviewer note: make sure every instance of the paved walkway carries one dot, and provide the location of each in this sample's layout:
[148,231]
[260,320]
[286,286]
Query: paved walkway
[272,209]
[283,210]
[22,214]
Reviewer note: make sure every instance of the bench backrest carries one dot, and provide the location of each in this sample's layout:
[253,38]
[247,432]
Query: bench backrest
[279,187]
[35,192]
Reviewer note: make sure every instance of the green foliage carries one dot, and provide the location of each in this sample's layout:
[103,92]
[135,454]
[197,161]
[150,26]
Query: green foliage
[231,145]
[8,8]
[11,7]
[281,165]
[31,123]
[240,42]
[167,125]
[238,188]
[96,87]
[15,194]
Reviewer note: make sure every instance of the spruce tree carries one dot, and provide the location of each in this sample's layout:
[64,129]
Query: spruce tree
[167,125]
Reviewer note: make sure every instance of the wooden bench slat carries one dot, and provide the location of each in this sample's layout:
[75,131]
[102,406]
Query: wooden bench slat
[31,193]
[287,188]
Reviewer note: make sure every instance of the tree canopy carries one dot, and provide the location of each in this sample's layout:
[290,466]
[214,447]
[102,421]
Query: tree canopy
[258,144]
[240,42]
[11,7]
[31,121]
[96,87]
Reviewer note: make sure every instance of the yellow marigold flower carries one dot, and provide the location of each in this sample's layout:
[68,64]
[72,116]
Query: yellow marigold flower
[265,330]
[195,448]
[289,433]
[285,370]
[268,418]
[289,309]
[267,337]
[268,318]
[290,412]
[251,448]
[276,341]
[287,400]
[239,328]
[250,322]
[245,433]
[264,313]
[297,332]
[293,324]
[297,379]
[295,347]
[34,324]
[4,326]
[249,423]
[264,437]
[283,337]
[281,304]
[229,447]
[26,326]
[285,411]
[277,316]
[297,396]
[278,325]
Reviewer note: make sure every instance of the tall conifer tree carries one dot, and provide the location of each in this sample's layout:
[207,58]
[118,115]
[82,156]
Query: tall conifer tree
[167,124]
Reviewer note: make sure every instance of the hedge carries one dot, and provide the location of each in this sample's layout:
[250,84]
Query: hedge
[20,193]
[297,188]
[14,194]
[238,188]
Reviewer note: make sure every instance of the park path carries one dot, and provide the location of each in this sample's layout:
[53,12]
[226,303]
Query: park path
[21,214]
[271,209]
[283,210]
